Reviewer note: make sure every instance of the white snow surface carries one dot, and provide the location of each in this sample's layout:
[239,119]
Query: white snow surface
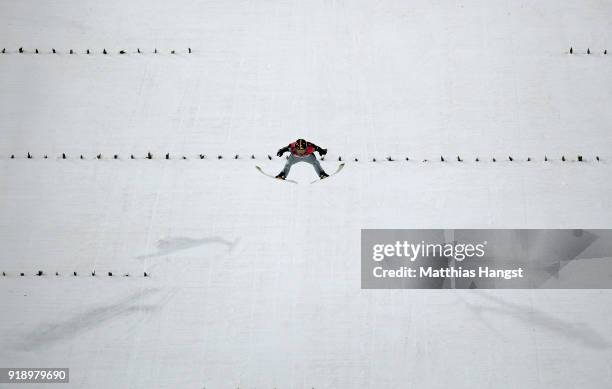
[255,283]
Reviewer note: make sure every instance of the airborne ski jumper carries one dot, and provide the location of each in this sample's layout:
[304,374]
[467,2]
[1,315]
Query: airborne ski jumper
[302,151]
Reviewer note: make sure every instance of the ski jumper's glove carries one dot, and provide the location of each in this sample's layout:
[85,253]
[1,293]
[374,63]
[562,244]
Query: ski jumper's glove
[282,151]
[320,150]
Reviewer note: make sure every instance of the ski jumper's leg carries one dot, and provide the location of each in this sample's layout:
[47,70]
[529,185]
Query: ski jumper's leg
[311,159]
[288,165]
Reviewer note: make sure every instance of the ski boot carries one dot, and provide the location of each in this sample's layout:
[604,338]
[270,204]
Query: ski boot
[323,175]
[281,176]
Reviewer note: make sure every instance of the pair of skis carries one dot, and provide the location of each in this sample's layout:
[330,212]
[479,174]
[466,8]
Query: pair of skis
[295,182]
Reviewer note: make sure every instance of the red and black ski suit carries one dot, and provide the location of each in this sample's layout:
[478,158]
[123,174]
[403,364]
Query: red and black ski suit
[310,148]
[308,156]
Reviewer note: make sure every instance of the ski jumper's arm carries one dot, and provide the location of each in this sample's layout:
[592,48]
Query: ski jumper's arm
[318,149]
[283,150]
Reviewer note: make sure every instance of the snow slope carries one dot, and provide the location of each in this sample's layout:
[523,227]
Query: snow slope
[253,283]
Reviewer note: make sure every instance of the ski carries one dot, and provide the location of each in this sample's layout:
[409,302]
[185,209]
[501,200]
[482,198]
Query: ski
[271,176]
[336,172]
